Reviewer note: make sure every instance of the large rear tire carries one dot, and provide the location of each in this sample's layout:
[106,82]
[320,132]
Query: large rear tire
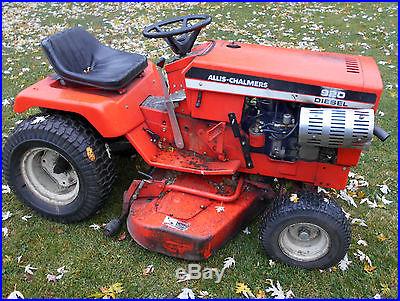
[309,233]
[59,166]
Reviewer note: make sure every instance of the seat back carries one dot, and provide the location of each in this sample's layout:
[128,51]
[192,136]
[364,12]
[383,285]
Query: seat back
[71,50]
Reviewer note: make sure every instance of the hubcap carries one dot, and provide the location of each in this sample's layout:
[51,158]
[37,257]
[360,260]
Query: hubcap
[304,242]
[50,176]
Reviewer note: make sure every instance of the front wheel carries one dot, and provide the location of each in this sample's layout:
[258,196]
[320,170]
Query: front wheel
[59,166]
[311,232]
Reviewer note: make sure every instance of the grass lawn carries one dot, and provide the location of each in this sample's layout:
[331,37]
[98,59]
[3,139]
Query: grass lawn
[94,261]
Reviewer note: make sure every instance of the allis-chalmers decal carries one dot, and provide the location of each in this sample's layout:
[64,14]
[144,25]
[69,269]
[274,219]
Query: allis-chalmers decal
[237,81]
[220,81]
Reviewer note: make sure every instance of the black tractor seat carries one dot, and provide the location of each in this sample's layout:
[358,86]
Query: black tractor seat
[79,57]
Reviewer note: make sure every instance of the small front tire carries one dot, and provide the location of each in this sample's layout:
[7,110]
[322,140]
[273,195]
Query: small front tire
[309,233]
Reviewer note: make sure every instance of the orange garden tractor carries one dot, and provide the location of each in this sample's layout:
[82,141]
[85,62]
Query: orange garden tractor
[222,125]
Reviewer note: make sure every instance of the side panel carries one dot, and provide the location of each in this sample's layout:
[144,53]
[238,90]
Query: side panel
[112,114]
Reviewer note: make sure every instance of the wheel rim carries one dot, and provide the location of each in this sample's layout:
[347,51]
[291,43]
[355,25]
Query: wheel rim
[50,176]
[304,242]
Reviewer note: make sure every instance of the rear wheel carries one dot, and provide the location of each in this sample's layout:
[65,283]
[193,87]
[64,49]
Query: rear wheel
[309,233]
[59,166]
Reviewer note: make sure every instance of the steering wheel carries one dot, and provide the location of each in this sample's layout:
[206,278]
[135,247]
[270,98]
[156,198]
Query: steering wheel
[180,39]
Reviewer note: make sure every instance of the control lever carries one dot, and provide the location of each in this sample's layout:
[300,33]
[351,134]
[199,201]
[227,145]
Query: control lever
[176,131]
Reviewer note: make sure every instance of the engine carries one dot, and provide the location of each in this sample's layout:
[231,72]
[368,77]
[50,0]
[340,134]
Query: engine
[291,131]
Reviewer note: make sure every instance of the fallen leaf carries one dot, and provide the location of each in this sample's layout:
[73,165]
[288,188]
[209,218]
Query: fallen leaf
[19,259]
[384,189]
[243,289]
[220,209]
[122,236]
[186,293]
[362,243]
[369,268]
[29,269]
[377,296]
[363,257]
[359,222]
[320,189]
[95,227]
[385,201]
[53,278]
[385,289]
[345,196]
[261,294]
[277,291]
[346,214]
[15,295]
[294,198]
[109,292]
[203,294]
[371,204]
[7,258]
[271,263]
[39,119]
[62,270]
[344,263]
[381,237]
[26,217]
[247,231]
[5,189]
[4,231]
[148,270]
[229,262]
[5,215]
[58,230]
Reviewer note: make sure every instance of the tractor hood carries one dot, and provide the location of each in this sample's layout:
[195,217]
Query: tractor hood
[322,78]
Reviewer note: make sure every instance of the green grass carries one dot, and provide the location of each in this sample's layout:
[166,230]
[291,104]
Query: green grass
[94,261]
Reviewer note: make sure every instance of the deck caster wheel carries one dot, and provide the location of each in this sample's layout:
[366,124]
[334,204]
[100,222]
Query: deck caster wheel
[59,166]
[112,227]
[310,233]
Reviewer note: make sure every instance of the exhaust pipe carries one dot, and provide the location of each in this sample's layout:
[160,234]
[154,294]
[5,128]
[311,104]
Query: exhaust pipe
[381,133]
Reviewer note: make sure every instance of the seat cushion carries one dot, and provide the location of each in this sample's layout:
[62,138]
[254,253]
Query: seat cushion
[79,57]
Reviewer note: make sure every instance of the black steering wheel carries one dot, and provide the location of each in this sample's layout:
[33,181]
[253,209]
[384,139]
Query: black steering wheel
[180,39]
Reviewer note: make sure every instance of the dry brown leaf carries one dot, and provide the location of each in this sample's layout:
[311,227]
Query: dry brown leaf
[369,268]
[385,289]
[381,237]
[122,236]
[261,294]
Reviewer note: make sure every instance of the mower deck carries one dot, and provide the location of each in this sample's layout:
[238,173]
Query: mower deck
[177,215]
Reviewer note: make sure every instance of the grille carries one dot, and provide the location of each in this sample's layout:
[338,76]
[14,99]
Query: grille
[352,65]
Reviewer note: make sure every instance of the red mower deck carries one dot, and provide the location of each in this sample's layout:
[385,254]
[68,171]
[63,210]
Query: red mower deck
[185,224]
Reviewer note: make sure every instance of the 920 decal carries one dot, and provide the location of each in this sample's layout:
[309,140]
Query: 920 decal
[331,93]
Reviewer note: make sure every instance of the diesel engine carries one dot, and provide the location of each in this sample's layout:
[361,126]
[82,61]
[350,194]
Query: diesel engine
[291,131]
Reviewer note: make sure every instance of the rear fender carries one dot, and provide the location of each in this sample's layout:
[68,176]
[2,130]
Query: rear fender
[111,113]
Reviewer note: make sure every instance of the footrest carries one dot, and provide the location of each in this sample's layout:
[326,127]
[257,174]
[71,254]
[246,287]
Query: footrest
[191,162]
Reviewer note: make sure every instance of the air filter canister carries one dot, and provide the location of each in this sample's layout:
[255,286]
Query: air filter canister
[334,128]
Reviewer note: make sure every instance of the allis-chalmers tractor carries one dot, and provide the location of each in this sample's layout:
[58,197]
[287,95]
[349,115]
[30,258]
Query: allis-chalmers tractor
[223,126]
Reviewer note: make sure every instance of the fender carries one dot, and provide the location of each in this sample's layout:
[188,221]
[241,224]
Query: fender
[112,114]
